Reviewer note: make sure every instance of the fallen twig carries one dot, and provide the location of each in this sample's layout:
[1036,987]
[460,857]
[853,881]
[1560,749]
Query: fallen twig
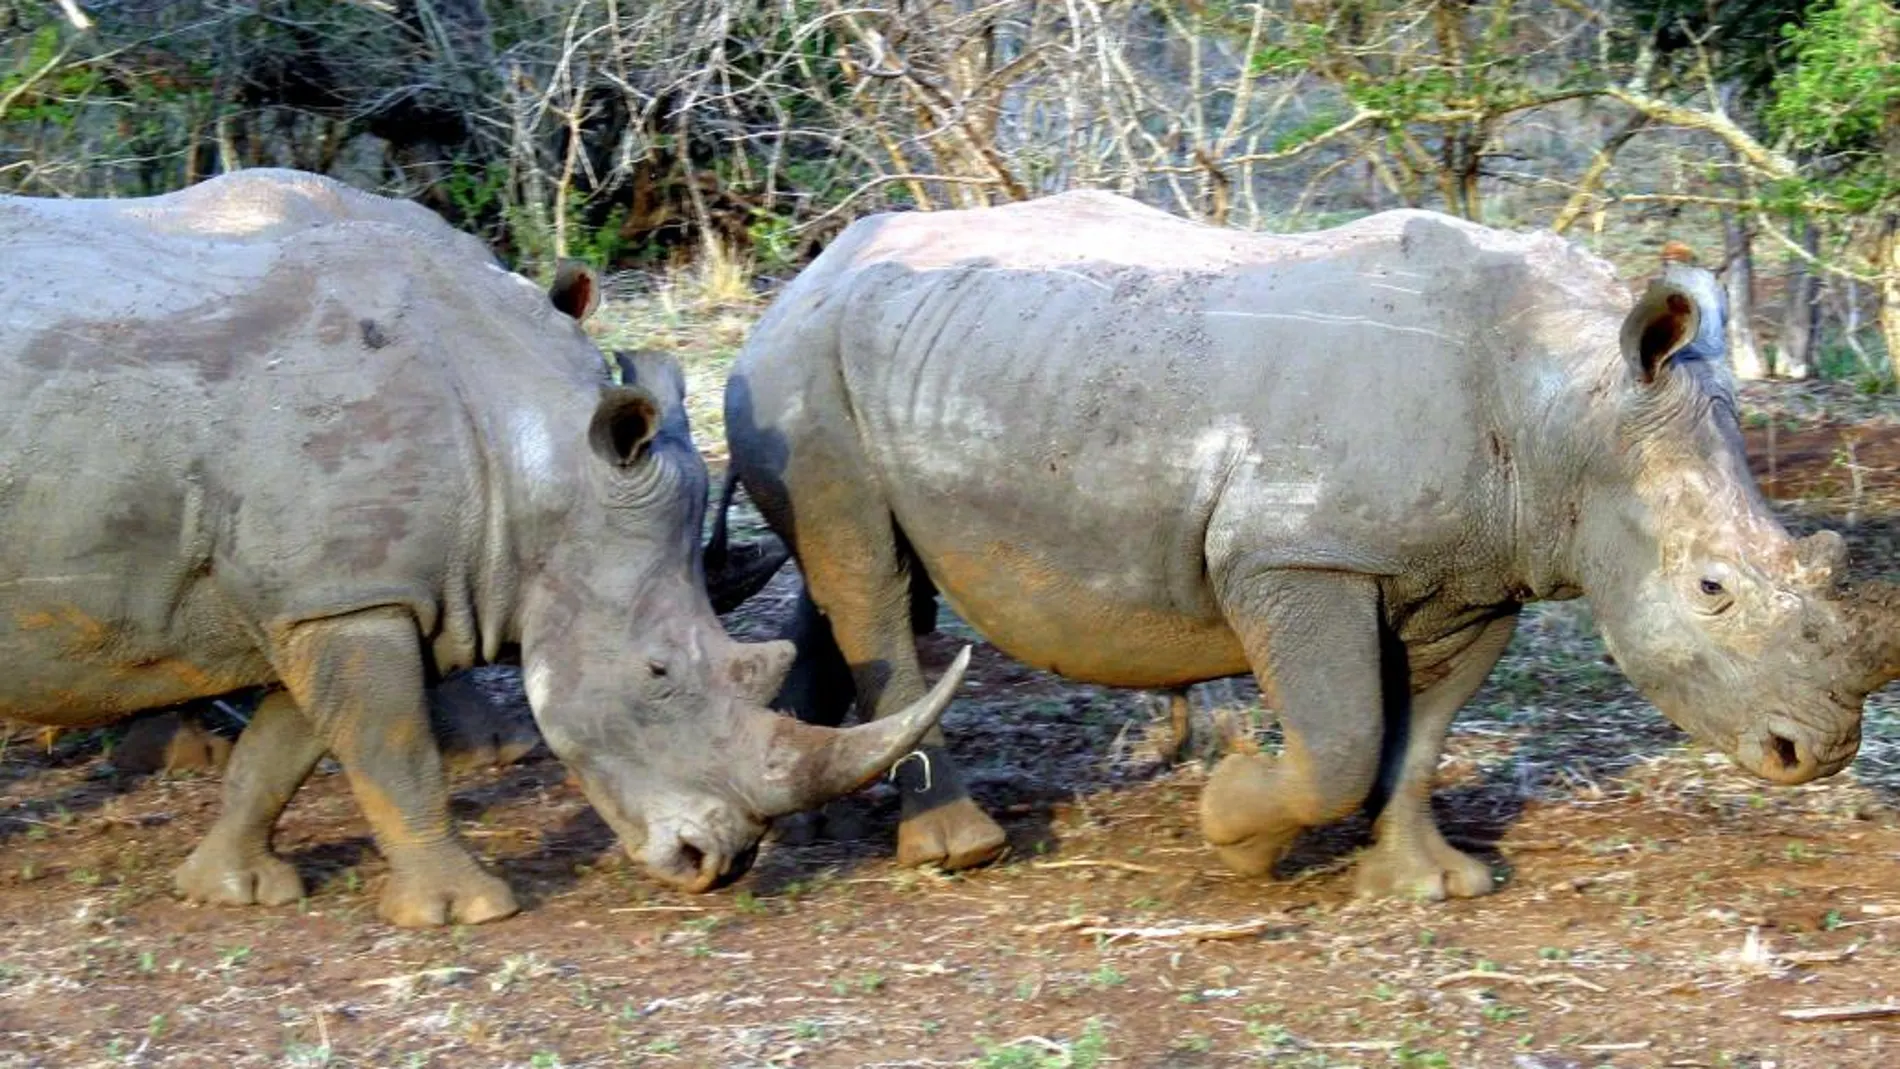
[1539,980]
[1195,932]
[1097,925]
[1860,1011]
[1064,925]
[1816,957]
[443,975]
[1578,883]
[657,909]
[1526,846]
[1871,920]
[1086,863]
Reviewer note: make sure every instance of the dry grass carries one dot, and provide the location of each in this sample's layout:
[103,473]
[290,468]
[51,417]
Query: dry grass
[699,314]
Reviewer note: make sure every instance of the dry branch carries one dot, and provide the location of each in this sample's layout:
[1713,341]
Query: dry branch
[1860,1011]
[1538,980]
[27,83]
[1098,926]
[1761,157]
[1087,863]
[79,19]
[1193,932]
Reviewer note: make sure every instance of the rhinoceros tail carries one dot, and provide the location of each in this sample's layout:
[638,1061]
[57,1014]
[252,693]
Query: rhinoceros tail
[735,573]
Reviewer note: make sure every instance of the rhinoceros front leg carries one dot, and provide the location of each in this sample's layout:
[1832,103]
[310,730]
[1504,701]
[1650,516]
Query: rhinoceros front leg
[233,864]
[1313,640]
[358,679]
[1411,857]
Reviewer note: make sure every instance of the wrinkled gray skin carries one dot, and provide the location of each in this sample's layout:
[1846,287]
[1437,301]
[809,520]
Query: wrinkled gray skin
[1145,453]
[273,430]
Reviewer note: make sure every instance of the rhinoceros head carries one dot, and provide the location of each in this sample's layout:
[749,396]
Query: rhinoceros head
[634,683]
[1735,629]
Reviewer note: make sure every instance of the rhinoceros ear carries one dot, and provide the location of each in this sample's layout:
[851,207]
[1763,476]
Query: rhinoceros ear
[576,289]
[1663,321]
[627,419]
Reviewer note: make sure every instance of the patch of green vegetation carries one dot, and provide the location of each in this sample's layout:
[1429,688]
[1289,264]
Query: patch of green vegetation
[1502,1013]
[1086,1051]
[1192,1042]
[308,1055]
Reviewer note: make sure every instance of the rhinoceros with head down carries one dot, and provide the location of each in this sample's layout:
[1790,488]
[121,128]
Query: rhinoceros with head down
[1141,452]
[273,430]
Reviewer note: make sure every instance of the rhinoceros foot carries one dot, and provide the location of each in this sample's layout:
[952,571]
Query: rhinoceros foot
[1425,868]
[226,874]
[441,884]
[954,835]
[1246,816]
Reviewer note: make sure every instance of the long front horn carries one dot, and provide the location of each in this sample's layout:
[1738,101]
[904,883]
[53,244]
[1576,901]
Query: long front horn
[801,766]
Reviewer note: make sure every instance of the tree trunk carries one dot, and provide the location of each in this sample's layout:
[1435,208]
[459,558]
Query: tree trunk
[1744,353]
[1800,320]
[1887,256]
[1890,293]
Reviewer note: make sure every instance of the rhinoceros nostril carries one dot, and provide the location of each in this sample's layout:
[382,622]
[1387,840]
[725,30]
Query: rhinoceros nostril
[1785,751]
[740,864]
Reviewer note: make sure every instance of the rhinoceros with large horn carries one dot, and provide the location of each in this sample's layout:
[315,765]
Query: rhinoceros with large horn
[1144,453]
[273,430]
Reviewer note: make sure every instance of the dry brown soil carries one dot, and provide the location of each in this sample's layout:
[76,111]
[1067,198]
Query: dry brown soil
[1659,908]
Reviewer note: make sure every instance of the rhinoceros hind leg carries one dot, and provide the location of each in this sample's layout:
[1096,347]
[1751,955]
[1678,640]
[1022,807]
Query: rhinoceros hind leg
[954,832]
[359,680]
[474,730]
[233,865]
[170,742]
[1426,868]
[1313,640]
[1411,858]
[818,689]
[859,580]
[429,887]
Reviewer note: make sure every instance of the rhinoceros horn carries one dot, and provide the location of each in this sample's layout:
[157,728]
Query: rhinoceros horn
[1821,560]
[786,766]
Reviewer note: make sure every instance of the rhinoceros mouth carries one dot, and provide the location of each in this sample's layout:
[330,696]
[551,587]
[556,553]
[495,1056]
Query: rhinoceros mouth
[694,869]
[1785,752]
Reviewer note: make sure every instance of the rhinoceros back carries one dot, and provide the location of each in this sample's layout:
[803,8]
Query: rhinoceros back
[1118,404]
[239,405]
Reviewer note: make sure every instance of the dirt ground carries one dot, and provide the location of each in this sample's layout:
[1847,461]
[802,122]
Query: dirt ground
[1659,908]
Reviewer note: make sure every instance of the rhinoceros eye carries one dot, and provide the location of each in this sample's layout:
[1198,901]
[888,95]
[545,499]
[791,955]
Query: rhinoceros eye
[1713,589]
[657,668]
